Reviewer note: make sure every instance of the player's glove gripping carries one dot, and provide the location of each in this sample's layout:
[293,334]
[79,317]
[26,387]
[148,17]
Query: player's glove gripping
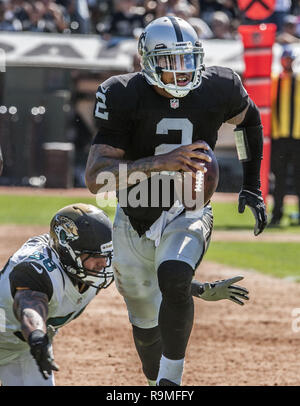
[40,349]
[256,203]
[218,290]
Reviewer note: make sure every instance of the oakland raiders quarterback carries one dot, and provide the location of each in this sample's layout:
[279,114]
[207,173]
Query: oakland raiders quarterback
[47,283]
[155,123]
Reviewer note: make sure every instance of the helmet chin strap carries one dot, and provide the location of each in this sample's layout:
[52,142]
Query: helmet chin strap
[91,280]
[175,93]
[88,279]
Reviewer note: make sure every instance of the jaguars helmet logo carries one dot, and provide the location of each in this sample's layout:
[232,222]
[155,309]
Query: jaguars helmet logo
[66,230]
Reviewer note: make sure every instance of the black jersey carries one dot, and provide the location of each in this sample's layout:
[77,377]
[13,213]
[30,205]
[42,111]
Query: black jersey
[132,116]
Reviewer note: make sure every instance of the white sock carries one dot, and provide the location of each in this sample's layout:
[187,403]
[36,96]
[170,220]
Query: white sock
[171,370]
[151,383]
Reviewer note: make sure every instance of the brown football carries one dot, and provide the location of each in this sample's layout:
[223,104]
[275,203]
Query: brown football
[196,193]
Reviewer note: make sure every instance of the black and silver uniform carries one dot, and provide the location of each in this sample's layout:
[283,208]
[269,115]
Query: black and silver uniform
[132,116]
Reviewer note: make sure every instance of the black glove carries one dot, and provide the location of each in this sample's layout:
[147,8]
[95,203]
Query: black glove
[256,203]
[40,349]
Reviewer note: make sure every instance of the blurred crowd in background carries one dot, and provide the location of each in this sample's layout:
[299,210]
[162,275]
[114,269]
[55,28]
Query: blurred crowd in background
[217,19]
[69,94]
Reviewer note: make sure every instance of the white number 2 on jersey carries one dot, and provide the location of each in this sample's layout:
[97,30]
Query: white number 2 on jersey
[167,124]
[101,100]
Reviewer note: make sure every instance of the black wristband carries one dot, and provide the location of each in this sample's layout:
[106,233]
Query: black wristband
[37,337]
[253,139]
[196,288]
[252,189]
[251,169]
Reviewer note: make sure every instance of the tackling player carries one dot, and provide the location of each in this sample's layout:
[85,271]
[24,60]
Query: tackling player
[156,121]
[46,284]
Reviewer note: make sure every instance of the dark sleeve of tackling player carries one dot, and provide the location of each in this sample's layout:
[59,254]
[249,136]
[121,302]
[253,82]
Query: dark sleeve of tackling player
[112,115]
[30,275]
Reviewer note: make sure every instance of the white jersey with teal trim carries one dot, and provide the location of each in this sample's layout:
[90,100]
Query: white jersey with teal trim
[66,302]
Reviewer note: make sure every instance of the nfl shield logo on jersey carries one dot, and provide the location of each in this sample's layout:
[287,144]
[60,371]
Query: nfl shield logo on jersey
[174,103]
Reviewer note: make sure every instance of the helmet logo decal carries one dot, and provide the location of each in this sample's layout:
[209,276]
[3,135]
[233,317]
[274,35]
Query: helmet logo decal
[66,230]
[174,103]
[107,247]
[141,44]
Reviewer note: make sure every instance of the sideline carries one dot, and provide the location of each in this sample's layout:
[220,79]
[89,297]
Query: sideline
[84,192]
[248,236]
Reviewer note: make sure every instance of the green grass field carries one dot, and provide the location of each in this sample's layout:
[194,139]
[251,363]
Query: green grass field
[37,210]
[227,217]
[278,259]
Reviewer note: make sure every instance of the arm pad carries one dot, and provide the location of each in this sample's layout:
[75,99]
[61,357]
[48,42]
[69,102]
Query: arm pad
[251,134]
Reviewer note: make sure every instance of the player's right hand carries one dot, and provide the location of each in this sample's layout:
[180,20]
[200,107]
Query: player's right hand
[256,203]
[183,158]
[40,349]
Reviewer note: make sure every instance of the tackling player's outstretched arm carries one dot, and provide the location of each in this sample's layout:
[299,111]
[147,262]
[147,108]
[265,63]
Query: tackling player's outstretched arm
[31,309]
[107,158]
[32,290]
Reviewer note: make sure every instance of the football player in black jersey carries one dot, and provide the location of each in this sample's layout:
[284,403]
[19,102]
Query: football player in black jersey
[152,123]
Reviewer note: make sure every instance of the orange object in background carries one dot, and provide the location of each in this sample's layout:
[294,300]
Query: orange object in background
[265,115]
[257,9]
[258,41]
[260,90]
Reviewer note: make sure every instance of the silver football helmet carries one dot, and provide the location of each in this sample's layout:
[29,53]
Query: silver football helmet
[170,44]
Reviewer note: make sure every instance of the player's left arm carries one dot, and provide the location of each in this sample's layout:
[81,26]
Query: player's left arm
[32,290]
[219,290]
[31,309]
[249,143]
